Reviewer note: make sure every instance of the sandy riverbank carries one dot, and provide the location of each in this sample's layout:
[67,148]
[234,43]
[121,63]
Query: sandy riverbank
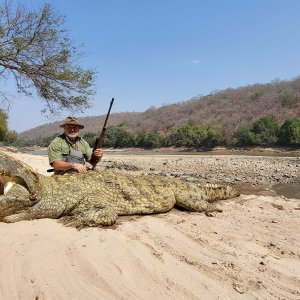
[250,251]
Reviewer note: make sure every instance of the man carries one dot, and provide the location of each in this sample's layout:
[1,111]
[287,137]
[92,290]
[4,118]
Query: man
[69,152]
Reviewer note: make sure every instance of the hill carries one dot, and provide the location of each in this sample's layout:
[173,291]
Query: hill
[228,109]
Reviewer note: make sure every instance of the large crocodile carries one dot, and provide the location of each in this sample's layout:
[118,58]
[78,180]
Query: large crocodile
[97,197]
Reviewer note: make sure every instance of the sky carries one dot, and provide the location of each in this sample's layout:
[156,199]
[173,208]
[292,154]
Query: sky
[150,53]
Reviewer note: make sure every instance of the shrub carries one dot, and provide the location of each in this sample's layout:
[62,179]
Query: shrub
[256,95]
[288,99]
[265,131]
[244,137]
[289,134]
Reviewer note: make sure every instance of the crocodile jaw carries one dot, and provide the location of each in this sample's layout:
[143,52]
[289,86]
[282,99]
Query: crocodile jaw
[15,198]
[15,171]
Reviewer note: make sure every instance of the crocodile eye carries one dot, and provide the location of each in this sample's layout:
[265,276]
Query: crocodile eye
[32,197]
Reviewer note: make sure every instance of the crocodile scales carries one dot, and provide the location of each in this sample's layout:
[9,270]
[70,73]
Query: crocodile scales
[97,198]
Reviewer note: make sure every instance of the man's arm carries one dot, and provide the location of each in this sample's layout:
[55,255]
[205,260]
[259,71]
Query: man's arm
[61,165]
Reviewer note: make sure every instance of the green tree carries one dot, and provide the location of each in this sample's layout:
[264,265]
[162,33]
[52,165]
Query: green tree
[23,143]
[198,135]
[91,137]
[244,137]
[149,140]
[289,134]
[125,139]
[116,136]
[187,134]
[37,53]
[11,137]
[214,136]
[3,125]
[266,131]
[254,96]
[288,99]
[45,141]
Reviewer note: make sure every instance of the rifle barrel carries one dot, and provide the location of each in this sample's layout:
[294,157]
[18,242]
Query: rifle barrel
[108,113]
[99,142]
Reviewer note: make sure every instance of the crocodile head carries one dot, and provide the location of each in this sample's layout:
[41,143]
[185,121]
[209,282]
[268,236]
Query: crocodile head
[15,198]
[18,185]
[17,171]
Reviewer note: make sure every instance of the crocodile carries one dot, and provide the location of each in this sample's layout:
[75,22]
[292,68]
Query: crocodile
[97,197]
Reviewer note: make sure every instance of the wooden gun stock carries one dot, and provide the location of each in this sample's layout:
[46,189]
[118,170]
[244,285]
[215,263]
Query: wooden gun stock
[99,141]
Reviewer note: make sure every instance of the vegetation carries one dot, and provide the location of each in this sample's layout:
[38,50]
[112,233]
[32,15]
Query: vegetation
[36,52]
[288,99]
[5,134]
[118,137]
[265,131]
[198,135]
[289,134]
[3,125]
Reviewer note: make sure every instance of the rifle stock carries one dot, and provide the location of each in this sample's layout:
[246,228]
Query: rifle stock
[99,141]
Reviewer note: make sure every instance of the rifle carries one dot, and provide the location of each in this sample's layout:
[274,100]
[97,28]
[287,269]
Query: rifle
[99,141]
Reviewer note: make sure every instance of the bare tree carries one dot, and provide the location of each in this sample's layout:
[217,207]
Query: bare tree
[37,53]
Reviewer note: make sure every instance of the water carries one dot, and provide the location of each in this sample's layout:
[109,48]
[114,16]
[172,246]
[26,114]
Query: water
[38,152]
[287,190]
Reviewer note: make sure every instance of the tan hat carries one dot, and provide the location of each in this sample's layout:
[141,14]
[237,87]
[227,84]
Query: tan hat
[71,121]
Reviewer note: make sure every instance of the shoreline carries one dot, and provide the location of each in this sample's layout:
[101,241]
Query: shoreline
[246,151]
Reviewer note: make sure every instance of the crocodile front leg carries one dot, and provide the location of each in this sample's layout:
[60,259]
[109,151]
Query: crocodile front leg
[30,214]
[92,211]
[43,209]
[98,215]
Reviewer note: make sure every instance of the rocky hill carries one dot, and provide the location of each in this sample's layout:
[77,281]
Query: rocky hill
[228,108]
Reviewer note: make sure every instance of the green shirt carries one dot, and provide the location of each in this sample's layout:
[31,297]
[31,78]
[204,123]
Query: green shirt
[61,146]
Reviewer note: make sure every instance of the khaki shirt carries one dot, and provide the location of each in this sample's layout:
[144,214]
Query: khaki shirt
[61,146]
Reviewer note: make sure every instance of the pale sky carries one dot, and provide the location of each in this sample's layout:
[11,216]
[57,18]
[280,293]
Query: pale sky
[156,52]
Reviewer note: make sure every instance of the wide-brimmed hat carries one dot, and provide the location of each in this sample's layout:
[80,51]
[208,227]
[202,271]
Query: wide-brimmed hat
[71,121]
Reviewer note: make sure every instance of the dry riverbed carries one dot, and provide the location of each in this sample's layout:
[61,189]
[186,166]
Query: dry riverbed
[251,174]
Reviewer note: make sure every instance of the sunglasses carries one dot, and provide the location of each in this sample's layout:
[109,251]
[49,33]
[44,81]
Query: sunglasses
[73,127]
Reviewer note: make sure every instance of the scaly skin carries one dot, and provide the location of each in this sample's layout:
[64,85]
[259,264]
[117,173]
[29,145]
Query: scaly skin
[16,198]
[97,198]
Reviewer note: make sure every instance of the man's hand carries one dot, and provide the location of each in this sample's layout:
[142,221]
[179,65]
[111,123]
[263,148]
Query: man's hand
[79,168]
[98,153]
[96,157]
[61,165]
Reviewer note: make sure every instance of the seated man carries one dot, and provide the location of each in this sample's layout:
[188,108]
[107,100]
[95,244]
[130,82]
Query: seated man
[69,152]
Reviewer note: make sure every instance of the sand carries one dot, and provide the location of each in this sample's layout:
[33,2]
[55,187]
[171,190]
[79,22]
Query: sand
[249,251]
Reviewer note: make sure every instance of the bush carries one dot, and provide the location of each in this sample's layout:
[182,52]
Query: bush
[214,136]
[288,99]
[198,135]
[149,140]
[244,137]
[91,137]
[289,134]
[116,137]
[3,125]
[11,137]
[266,131]
[256,95]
